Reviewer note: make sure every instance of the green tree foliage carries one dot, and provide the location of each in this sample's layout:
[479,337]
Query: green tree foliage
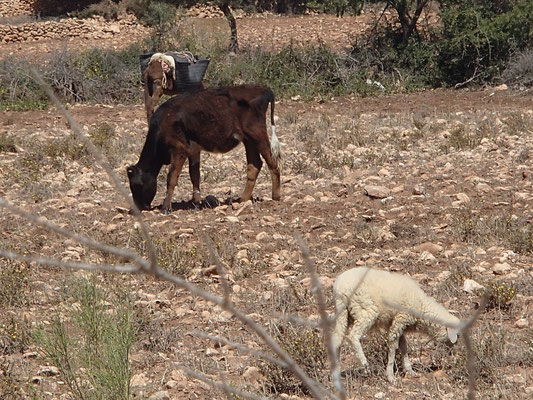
[479,37]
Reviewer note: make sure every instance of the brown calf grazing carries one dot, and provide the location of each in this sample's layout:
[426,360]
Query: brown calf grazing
[214,120]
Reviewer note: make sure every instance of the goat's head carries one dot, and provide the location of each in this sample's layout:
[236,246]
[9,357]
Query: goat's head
[143,186]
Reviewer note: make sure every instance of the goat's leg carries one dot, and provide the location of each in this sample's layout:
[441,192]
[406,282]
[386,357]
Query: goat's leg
[403,352]
[253,167]
[399,323]
[176,164]
[273,166]
[194,173]
[152,93]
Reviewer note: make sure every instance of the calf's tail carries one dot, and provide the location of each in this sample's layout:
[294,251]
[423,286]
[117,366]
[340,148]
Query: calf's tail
[275,145]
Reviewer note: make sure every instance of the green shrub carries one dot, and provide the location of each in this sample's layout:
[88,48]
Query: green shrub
[306,348]
[477,39]
[18,91]
[13,283]
[90,345]
[96,75]
[7,143]
[519,72]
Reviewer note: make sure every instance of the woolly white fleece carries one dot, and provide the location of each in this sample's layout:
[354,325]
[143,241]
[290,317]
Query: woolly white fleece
[368,296]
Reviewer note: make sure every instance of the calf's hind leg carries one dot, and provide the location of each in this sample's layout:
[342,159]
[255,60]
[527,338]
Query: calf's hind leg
[194,173]
[176,164]
[253,167]
[273,166]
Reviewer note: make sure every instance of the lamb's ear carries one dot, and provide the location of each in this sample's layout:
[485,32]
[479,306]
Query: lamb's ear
[452,334]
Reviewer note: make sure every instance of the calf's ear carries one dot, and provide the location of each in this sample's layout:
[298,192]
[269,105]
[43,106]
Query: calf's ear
[130,170]
[452,334]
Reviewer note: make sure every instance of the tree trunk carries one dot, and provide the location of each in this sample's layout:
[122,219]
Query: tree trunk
[233,43]
[407,22]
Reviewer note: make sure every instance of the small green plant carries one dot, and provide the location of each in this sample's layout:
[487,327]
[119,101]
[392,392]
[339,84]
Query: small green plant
[102,134]
[306,348]
[7,144]
[461,139]
[67,147]
[10,384]
[176,258]
[15,335]
[500,294]
[90,345]
[13,283]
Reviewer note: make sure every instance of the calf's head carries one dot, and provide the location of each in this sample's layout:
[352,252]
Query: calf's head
[143,186]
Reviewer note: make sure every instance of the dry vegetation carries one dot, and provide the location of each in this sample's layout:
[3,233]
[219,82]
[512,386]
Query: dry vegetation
[437,185]
[458,180]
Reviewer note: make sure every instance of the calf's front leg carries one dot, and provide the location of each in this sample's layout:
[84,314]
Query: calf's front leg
[194,173]
[176,164]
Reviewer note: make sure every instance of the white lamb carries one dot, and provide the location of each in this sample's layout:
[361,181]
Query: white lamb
[367,297]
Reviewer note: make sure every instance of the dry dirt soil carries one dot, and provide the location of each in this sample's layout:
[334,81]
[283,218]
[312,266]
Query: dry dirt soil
[436,184]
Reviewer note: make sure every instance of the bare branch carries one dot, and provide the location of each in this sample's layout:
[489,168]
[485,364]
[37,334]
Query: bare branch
[78,131]
[241,347]
[325,322]
[316,389]
[219,385]
[220,267]
[120,252]
[71,265]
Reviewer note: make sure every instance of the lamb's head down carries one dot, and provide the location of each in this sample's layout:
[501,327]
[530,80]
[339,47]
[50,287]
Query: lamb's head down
[440,333]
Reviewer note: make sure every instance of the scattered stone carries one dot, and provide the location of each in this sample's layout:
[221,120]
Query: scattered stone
[463,198]
[162,395]
[48,370]
[427,256]
[377,192]
[418,190]
[261,236]
[139,380]
[36,380]
[253,375]
[432,248]
[522,323]
[501,268]
[211,201]
[471,286]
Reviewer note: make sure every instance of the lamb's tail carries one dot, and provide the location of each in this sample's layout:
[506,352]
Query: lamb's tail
[341,322]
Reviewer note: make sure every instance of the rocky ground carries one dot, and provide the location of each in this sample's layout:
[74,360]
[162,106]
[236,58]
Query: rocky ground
[437,185]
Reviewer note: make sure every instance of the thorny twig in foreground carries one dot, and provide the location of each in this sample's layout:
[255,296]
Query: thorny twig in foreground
[325,322]
[150,266]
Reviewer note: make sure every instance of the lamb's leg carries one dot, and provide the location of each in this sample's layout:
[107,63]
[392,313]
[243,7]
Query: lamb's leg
[403,352]
[194,173]
[341,326]
[362,323]
[176,164]
[399,323]
[254,164]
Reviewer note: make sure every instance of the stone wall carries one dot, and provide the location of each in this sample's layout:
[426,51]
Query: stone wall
[93,28]
[13,8]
